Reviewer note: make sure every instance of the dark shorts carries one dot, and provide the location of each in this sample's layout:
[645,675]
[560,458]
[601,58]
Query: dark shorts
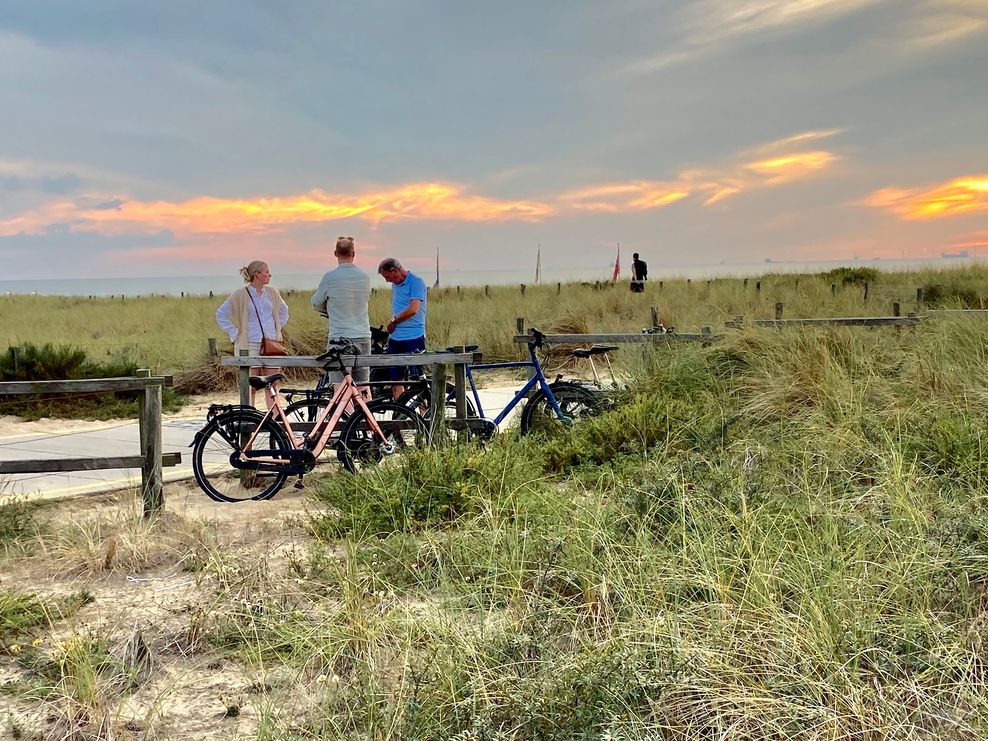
[637,286]
[405,346]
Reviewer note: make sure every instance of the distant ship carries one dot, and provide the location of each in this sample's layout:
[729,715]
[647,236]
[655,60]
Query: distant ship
[962,253]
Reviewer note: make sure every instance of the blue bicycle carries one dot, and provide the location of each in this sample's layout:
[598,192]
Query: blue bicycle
[551,407]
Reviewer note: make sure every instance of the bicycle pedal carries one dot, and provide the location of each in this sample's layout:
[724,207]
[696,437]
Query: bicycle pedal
[299,484]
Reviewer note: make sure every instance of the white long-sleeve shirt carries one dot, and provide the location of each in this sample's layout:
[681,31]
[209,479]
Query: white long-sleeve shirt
[225,318]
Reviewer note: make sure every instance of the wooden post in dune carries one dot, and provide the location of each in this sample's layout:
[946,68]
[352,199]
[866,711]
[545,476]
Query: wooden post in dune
[778,311]
[213,350]
[150,435]
[655,316]
[522,289]
[243,376]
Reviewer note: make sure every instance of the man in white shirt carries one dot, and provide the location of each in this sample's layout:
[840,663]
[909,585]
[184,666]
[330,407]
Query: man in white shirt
[343,294]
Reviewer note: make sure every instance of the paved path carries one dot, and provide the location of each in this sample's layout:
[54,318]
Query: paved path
[118,439]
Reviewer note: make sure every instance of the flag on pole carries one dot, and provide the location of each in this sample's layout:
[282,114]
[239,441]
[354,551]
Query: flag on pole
[617,265]
[538,266]
[436,284]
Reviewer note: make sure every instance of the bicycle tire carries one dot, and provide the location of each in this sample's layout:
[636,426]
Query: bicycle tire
[218,440]
[575,402]
[360,448]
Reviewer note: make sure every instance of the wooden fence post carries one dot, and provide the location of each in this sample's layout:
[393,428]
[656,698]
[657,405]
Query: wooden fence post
[896,310]
[866,291]
[243,375]
[559,288]
[487,291]
[438,419]
[520,324]
[661,283]
[150,434]
[919,299]
[655,316]
[522,289]
[460,384]
[213,350]
[833,289]
[758,286]
[778,311]
[15,356]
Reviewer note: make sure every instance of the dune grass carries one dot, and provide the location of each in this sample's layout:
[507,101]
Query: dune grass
[780,535]
[170,334]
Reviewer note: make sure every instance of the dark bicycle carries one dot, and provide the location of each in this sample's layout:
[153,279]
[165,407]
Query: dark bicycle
[550,406]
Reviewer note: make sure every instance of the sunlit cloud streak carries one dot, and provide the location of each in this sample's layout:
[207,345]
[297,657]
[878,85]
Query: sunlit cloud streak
[963,195]
[708,25]
[767,165]
[770,164]
[205,215]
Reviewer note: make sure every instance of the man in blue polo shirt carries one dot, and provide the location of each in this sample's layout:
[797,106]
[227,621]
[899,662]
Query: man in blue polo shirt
[407,325]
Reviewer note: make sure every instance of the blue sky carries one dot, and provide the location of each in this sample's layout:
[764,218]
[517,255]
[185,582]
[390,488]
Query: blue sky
[189,138]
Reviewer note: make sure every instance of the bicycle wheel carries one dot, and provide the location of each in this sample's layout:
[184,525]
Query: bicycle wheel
[360,447]
[574,401]
[223,437]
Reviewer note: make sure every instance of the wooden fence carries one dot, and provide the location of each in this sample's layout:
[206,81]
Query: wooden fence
[150,461]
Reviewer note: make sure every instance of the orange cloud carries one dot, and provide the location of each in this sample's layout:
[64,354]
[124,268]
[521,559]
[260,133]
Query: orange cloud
[207,215]
[638,195]
[964,195]
[791,166]
[771,164]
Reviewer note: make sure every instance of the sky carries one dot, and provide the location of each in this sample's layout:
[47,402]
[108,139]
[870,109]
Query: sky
[188,138]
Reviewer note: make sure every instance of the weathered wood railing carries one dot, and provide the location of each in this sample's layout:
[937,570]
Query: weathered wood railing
[437,360]
[150,461]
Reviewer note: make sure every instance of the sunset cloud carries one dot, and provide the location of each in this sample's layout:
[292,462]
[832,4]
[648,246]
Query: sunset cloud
[206,215]
[638,195]
[771,164]
[963,195]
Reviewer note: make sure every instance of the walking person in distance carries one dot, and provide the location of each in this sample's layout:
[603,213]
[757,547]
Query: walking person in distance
[639,274]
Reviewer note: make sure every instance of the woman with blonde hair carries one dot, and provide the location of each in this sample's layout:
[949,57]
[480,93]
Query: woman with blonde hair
[255,313]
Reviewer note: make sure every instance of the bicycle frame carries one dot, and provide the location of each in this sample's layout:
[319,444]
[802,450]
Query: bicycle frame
[537,379]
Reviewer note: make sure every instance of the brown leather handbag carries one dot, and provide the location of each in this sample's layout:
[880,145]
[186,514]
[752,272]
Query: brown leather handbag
[269,346]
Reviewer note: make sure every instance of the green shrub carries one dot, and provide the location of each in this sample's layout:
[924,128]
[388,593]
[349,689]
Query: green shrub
[428,487]
[851,276]
[58,363]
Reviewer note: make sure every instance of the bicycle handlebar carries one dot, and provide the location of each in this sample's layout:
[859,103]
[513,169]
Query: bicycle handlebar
[538,339]
[340,348]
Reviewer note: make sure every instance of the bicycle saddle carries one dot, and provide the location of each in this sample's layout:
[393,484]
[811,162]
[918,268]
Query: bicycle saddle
[586,352]
[260,382]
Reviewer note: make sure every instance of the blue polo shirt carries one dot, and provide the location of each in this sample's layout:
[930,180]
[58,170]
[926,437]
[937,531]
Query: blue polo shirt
[402,295]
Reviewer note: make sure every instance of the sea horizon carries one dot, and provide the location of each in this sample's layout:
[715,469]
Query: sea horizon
[204,285]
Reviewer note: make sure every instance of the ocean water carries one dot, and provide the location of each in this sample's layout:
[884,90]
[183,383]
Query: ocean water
[221,285]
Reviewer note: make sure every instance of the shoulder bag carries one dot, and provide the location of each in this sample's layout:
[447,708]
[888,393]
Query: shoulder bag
[269,346]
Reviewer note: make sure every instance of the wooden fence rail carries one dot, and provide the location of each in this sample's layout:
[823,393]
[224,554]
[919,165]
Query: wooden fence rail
[151,458]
